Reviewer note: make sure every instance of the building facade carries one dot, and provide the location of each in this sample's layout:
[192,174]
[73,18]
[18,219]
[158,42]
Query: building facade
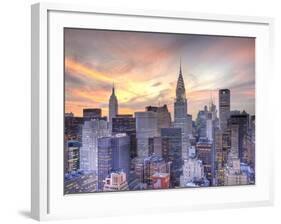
[126,124]
[116,181]
[91,131]
[73,156]
[146,127]
[174,154]
[163,117]
[104,158]
[120,144]
[192,171]
[91,113]
[224,107]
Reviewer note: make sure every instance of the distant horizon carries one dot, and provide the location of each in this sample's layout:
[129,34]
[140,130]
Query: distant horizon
[145,68]
[193,118]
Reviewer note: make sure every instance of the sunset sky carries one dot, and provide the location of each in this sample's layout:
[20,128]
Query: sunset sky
[145,67]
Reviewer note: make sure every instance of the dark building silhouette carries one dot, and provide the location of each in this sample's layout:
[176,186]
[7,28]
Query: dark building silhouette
[174,138]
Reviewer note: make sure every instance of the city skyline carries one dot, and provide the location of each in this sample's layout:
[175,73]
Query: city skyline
[141,136]
[208,63]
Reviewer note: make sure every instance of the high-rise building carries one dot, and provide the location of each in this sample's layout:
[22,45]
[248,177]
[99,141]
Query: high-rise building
[120,144]
[210,126]
[224,107]
[158,146]
[116,181]
[234,138]
[163,116]
[201,124]
[91,131]
[240,125]
[91,113]
[204,150]
[73,127]
[146,167]
[160,180]
[104,160]
[112,108]
[126,123]
[146,127]
[192,170]
[181,120]
[220,157]
[73,152]
[80,182]
[234,175]
[174,154]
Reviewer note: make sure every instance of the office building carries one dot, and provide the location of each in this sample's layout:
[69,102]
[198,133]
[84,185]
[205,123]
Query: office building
[160,180]
[126,123]
[116,181]
[192,170]
[73,127]
[163,116]
[80,182]
[91,113]
[174,154]
[73,154]
[146,127]
[224,107]
[240,125]
[204,150]
[120,144]
[104,160]
[146,167]
[91,131]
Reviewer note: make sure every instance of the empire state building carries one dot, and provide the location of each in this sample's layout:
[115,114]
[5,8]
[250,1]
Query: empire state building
[181,119]
[113,107]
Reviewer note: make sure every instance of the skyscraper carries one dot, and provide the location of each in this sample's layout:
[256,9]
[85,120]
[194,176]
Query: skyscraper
[204,151]
[73,151]
[126,124]
[91,113]
[224,107]
[209,126]
[121,153]
[181,119]
[113,107]
[146,127]
[163,116]
[104,158]
[91,131]
[242,123]
[174,137]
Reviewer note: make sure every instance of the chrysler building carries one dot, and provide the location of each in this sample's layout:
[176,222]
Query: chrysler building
[181,118]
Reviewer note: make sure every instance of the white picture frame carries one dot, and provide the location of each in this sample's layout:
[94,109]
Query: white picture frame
[47,199]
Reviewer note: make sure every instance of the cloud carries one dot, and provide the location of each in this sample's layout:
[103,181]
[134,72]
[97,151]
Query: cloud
[156,84]
[145,66]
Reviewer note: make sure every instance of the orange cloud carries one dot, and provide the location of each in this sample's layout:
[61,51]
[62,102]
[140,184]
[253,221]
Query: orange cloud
[75,67]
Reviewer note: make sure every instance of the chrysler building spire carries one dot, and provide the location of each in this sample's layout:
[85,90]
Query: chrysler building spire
[180,91]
